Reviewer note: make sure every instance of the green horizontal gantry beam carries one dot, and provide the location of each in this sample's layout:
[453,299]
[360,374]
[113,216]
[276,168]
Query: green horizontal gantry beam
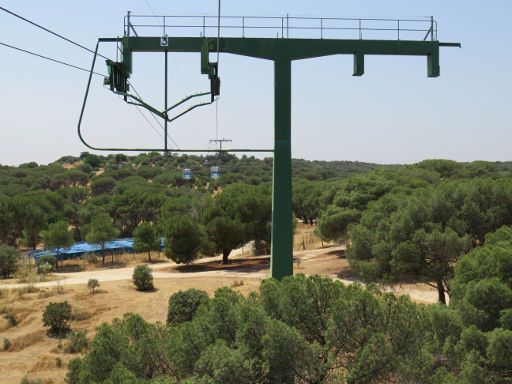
[290,49]
[283,51]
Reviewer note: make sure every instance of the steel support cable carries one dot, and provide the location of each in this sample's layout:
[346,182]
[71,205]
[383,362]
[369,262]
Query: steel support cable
[51,32]
[154,117]
[218,32]
[149,122]
[49,58]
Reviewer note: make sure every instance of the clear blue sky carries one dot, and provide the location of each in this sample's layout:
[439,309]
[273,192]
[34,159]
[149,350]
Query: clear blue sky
[393,114]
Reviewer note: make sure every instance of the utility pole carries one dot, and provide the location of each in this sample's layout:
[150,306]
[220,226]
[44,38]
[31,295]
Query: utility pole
[220,141]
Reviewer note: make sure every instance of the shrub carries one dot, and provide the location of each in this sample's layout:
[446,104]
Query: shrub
[77,342]
[183,305]
[44,269]
[6,344]
[43,262]
[58,362]
[91,258]
[506,319]
[143,278]
[11,319]
[92,284]
[9,259]
[500,342]
[26,380]
[26,275]
[57,317]
[73,375]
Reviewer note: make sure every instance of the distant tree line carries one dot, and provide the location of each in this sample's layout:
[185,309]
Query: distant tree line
[97,198]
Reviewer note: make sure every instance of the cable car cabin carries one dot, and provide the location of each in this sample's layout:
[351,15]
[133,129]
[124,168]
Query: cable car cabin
[215,172]
[187,174]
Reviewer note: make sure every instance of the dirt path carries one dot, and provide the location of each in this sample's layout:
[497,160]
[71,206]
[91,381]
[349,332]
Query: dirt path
[323,261]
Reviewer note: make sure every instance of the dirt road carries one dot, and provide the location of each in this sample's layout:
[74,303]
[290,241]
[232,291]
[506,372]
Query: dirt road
[323,261]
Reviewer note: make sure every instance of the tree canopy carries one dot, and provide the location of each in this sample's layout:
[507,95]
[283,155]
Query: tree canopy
[101,231]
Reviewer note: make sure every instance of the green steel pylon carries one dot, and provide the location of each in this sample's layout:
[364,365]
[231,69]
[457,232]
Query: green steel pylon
[282,51]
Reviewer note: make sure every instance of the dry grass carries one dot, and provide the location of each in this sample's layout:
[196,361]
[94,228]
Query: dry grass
[305,238]
[28,340]
[116,261]
[237,283]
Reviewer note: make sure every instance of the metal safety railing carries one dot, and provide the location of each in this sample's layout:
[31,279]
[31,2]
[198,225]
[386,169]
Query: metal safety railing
[282,27]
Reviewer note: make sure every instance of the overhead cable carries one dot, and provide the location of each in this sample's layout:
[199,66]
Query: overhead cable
[154,117]
[49,58]
[50,31]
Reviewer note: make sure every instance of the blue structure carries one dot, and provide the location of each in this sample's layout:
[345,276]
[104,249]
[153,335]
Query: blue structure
[79,249]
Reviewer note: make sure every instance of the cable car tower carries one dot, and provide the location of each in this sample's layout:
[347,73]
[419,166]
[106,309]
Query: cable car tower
[278,39]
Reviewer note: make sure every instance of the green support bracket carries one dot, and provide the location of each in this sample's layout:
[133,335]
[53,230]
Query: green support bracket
[358,64]
[205,58]
[433,68]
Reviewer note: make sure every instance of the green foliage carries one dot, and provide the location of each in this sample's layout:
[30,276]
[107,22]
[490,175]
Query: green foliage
[308,200]
[27,380]
[483,303]
[506,319]
[73,374]
[46,264]
[335,221]
[183,305]
[56,316]
[146,239]
[482,288]
[226,233]
[500,348]
[445,168]
[6,343]
[103,185]
[94,161]
[101,231]
[92,284]
[58,236]
[420,236]
[76,342]
[239,214]
[183,239]
[299,328]
[470,338]
[143,278]
[9,260]
[129,344]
